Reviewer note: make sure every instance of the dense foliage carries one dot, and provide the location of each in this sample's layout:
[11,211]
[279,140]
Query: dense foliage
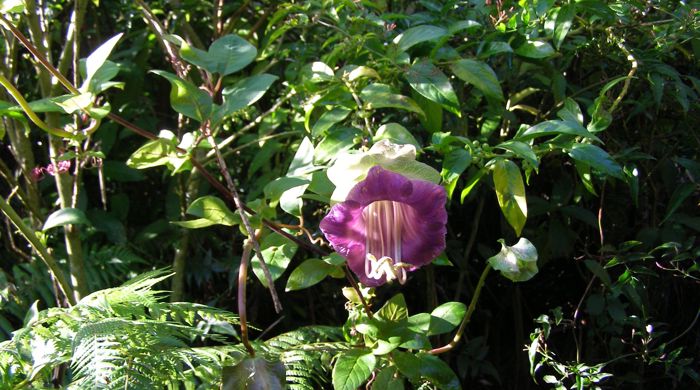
[153,151]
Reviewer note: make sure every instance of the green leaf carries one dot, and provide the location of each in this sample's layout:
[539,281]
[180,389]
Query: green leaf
[65,216]
[418,34]
[535,50]
[481,76]
[97,69]
[11,6]
[471,184]
[455,162]
[278,252]
[510,191]
[395,133]
[429,81]
[388,379]
[554,127]
[152,154]
[288,191]
[214,210]
[328,119]
[303,161]
[446,317]
[337,141]
[521,150]
[226,55]
[317,72]
[438,372]
[243,94]
[680,194]
[598,271]
[597,159]
[563,23]
[186,98]
[394,309]
[77,103]
[254,373]
[380,96]
[352,368]
[307,274]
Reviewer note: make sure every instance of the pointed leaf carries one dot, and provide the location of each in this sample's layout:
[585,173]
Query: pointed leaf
[307,274]
[481,76]
[418,34]
[429,81]
[226,55]
[278,252]
[597,159]
[352,368]
[213,209]
[243,94]
[380,96]
[65,216]
[510,191]
[187,99]
[554,127]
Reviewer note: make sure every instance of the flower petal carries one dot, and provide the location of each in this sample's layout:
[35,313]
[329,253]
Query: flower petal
[423,237]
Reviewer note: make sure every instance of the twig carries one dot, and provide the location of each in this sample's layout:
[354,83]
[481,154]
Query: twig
[634,64]
[244,217]
[43,252]
[242,278]
[467,316]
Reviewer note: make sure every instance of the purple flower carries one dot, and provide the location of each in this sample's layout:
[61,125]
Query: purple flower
[388,225]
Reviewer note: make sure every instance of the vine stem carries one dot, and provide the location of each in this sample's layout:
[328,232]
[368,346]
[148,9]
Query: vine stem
[467,317]
[242,312]
[43,252]
[244,217]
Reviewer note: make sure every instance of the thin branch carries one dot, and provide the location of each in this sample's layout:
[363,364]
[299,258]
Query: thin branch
[244,217]
[242,279]
[467,317]
[43,252]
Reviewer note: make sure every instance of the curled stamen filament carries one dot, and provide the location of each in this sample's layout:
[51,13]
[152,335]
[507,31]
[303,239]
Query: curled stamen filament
[384,224]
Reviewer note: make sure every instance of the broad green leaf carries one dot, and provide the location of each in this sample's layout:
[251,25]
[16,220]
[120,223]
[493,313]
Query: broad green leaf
[11,6]
[278,252]
[469,25]
[352,369]
[307,274]
[471,184]
[433,112]
[388,379]
[597,159]
[598,271]
[522,150]
[65,216]
[152,154]
[254,373]
[317,72]
[555,127]
[226,55]
[680,194]
[438,372]
[194,223]
[480,75]
[96,61]
[303,161]
[446,317]
[418,34]
[394,309]
[242,94]
[455,162]
[429,81]
[395,133]
[276,188]
[186,98]
[510,191]
[380,96]
[535,50]
[337,141]
[571,111]
[328,119]
[80,102]
[291,201]
[518,262]
[213,209]
[563,23]
[354,72]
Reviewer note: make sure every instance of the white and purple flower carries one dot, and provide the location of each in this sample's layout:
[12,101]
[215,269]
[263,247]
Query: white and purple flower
[388,225]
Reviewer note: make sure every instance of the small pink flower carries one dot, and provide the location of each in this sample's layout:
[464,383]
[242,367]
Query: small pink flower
[37,173]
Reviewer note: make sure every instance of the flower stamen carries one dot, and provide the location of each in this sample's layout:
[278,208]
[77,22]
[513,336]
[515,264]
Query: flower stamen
[384,226]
